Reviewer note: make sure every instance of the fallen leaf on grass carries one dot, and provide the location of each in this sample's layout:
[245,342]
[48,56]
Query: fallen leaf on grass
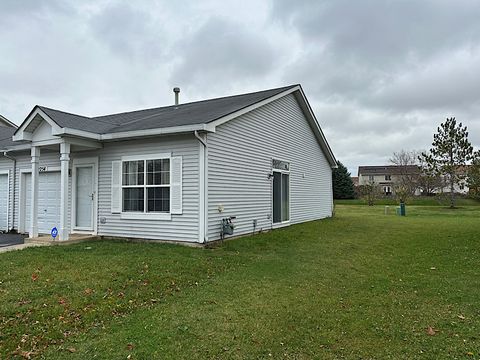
[461,317]
[470,353]
[431,331]
[88,291]
[34,276]
[433,268]
[130,347]
[24,354]
[72,349]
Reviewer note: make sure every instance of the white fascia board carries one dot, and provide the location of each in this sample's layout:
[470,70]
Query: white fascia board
[22,136]
[238,113]
[322,139]
[153,132]
[20,147]
[83,142]
[76,133]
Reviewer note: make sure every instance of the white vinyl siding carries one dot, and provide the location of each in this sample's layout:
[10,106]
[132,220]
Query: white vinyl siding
[240,155]
[184,221]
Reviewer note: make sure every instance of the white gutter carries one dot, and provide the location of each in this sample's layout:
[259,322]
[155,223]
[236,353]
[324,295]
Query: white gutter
[153,132]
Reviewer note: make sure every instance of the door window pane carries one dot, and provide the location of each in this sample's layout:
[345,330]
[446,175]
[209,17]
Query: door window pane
[277,197]
[281,197]
[285,197]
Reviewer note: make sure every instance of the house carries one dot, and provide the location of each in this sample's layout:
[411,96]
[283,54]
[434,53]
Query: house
[354,180]
[4,122]
[386,176]
[171,173]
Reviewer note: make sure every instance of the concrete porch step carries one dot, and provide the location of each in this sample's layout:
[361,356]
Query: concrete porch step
[48,240]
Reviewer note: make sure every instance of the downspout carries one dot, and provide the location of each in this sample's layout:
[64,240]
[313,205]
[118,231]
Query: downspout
[200,138]
[5,154]
[203,189]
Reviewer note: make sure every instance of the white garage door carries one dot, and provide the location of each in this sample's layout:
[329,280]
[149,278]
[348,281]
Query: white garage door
[48,201]
[3,202]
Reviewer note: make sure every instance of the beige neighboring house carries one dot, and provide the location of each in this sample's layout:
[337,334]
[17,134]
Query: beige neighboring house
[386,176]
[354,180]
[4,122]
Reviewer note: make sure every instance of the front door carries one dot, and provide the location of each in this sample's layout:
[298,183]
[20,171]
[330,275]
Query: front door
[84,197]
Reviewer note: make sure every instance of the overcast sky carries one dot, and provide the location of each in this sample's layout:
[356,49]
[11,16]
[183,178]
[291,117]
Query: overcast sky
[380,75]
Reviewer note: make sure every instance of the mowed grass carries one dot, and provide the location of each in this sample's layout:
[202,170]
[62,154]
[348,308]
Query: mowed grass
[362,285]
[415,201]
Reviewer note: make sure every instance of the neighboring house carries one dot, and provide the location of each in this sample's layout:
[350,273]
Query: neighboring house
[354,180]
[385,176]
[4,122]
[388,176]
[170,173]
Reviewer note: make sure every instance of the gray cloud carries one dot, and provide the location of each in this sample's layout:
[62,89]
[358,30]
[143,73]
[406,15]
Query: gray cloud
[224,51]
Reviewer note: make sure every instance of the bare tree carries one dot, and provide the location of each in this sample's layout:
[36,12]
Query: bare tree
[429,182]
[369,192]
[408,173]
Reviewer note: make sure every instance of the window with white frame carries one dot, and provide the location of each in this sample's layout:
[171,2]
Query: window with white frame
[146,186]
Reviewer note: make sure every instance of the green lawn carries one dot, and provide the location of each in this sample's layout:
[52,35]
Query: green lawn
[417,201]
[362,285]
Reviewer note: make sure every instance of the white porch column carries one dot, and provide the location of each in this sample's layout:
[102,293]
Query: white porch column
[33,231]
[65,164]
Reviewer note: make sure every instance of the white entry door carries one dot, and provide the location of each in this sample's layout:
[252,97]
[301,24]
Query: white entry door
[84,197]
[48,201]
[4,202]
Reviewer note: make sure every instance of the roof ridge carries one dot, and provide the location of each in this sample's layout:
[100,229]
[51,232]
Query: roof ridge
[195,102]
[82,116]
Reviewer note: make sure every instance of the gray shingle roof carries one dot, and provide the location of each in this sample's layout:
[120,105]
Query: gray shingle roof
[388,170]
[199,112]
[6,134]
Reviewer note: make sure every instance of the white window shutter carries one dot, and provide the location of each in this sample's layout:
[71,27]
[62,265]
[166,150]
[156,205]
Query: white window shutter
[176,185]
[116,187]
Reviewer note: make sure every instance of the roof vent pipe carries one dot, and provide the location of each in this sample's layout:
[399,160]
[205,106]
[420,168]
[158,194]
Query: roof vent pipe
[176,90]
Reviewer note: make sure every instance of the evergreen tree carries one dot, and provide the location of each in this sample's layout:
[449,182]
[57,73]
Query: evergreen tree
[473,179]
[342,183]
[449,155]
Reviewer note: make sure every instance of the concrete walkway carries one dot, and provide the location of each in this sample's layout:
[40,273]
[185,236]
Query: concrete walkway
[9,242]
